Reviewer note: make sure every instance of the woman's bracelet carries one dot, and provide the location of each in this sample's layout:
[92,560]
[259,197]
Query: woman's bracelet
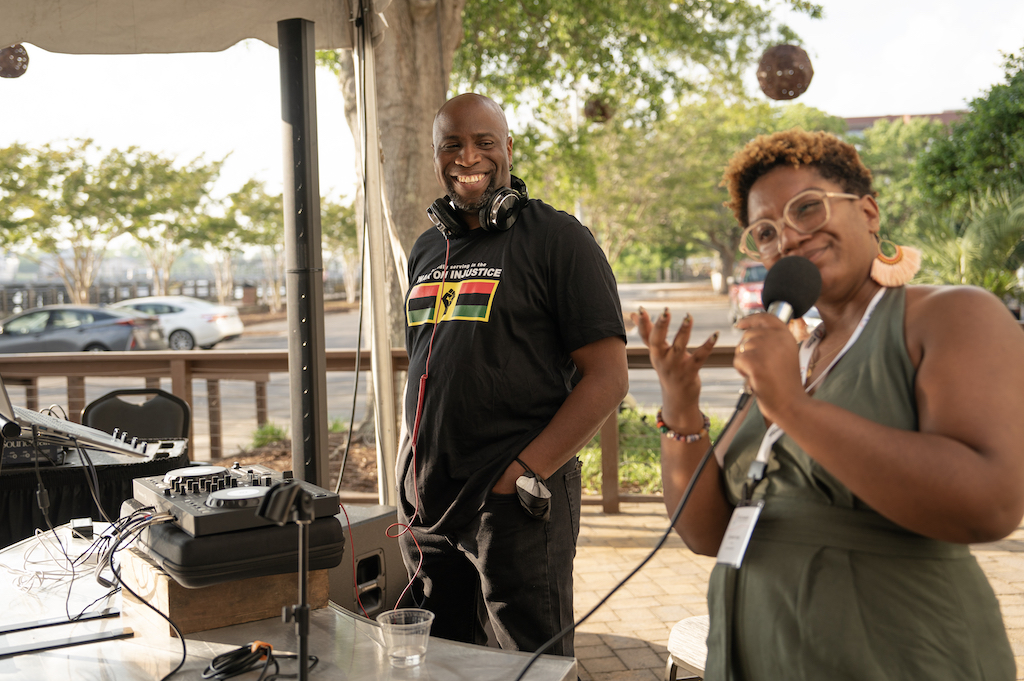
[688,439]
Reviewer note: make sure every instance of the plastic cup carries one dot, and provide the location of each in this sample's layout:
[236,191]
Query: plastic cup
[406,633]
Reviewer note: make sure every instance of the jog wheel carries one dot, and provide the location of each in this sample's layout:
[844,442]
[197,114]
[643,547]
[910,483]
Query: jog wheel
[237,497]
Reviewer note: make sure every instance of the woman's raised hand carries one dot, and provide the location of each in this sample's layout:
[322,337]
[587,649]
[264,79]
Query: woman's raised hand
[678,368]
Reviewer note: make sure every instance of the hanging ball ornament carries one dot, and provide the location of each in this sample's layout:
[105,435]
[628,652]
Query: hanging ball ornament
[784,72]
[13,61]
[598,110]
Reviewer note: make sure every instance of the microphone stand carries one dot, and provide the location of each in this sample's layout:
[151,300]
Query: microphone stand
[284,500]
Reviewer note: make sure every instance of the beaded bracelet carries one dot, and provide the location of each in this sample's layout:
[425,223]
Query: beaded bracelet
[688,439]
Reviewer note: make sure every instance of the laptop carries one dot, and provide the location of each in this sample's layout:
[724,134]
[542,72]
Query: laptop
[17,422]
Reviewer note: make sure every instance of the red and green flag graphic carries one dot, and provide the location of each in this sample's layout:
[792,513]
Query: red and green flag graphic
[422,304]
[468,300]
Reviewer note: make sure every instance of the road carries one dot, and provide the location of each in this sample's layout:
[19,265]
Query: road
[720,386]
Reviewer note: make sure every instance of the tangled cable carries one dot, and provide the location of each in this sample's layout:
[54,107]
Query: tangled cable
[248,658]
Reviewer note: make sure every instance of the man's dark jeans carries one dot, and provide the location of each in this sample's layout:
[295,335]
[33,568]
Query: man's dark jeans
[520,569]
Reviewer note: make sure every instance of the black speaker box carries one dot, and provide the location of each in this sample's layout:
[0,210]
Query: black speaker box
[212,559]
[380,574]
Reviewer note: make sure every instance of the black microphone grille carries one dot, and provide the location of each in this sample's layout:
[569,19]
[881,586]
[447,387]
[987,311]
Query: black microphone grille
[794,280]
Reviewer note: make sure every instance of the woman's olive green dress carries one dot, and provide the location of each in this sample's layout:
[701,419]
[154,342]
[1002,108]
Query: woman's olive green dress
[831,590]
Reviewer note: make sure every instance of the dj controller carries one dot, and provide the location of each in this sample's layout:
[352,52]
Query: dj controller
[208,500]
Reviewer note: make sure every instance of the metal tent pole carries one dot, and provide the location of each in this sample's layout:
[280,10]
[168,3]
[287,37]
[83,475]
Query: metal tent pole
[383,374]
[304,260]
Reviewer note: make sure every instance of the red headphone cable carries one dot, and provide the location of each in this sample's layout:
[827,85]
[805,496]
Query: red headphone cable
[421,392]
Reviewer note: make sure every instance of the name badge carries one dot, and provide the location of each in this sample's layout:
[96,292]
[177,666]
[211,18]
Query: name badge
[738,533]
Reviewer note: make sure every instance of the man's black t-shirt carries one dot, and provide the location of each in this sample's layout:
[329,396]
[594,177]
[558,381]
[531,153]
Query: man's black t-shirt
[512,305]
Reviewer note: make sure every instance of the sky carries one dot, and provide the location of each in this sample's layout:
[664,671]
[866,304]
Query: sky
[870,57]
[880,57]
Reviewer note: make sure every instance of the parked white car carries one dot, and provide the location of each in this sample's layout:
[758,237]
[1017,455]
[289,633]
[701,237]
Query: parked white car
[189,322]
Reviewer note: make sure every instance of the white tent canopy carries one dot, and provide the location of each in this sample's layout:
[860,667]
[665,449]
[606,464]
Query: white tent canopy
[165,26]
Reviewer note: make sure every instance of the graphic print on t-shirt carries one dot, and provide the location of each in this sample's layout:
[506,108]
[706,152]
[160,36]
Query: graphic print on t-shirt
[468,300]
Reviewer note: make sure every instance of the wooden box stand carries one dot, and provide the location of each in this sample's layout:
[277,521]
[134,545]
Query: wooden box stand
[210,607]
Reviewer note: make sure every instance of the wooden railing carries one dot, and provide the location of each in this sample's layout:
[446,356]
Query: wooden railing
[183,367]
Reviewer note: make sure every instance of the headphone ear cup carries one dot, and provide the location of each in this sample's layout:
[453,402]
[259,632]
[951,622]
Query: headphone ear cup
[501,211]
[446,219]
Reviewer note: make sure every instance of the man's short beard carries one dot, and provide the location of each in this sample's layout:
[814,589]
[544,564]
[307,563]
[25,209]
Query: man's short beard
[474,206]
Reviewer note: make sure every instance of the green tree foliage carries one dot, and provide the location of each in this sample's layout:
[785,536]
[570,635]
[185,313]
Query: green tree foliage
[260,219]
[341,241]
[70,201]
[985,149]
[628,56]
[656,188]
[16,175]
[222,242]
[984,249]
[173,214]
[891,150]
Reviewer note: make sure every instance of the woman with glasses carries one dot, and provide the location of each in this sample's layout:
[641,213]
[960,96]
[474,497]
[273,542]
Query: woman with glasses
[841,502]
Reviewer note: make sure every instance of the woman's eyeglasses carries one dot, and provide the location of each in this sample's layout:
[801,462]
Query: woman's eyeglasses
[807,212]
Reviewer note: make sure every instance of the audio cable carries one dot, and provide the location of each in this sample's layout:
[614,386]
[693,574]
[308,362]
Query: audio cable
[744,397]
[249,658]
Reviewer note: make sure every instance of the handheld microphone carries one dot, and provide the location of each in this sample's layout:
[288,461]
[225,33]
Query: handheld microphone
[791,288]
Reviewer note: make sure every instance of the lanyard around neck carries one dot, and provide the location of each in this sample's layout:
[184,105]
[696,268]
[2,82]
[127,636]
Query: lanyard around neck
[760,464]
[807,348]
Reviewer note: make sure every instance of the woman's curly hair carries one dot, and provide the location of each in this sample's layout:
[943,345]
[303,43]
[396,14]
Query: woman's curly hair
[832,158]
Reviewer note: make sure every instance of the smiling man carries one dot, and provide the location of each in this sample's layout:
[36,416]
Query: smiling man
[469,191]
[514,315]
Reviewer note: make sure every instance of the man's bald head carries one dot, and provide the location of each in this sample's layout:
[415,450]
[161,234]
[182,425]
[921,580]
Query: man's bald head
[466,102]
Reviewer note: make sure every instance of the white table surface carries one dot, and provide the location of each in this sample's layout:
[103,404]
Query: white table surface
[348,646]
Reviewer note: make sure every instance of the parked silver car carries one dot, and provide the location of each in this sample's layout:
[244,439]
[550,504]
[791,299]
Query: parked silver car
[71,328]
[189,322]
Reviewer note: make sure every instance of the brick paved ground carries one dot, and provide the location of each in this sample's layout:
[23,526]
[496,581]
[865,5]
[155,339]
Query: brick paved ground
[624,640]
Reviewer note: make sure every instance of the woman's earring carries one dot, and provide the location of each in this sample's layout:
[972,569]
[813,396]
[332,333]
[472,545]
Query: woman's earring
[897,268]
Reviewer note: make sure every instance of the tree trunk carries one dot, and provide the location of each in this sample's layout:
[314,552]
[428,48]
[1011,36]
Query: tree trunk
[349,274]
[223,275]
[413,62]
[728,264]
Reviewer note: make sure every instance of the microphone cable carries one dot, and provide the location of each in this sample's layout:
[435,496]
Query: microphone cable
[249,658]
[740,404]
[359,354]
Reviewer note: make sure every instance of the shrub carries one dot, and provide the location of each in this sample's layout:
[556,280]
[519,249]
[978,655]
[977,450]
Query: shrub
[639,454]
[267,434]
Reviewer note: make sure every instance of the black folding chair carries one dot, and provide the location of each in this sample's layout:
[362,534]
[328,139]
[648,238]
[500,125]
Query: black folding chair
[161,415]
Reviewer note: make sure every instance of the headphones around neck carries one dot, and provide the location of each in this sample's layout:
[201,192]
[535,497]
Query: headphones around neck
[496,215]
